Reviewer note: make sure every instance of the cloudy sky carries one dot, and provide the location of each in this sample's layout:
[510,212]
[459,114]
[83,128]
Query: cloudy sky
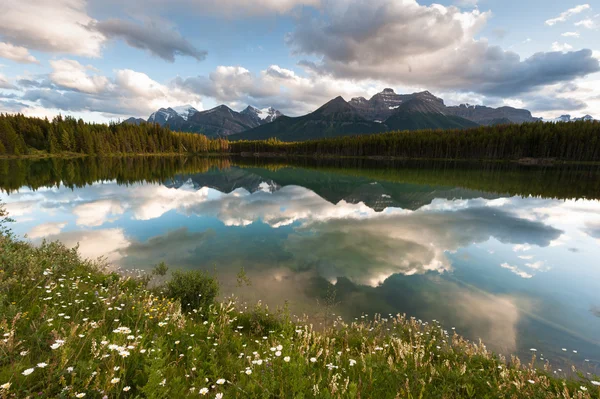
[107,59]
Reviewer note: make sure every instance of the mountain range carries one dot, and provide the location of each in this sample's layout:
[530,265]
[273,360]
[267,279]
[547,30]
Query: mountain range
[384,111]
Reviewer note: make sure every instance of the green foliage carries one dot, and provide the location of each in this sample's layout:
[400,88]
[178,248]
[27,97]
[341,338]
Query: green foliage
[573,141]
[194,289]
[161,269]
[20,134]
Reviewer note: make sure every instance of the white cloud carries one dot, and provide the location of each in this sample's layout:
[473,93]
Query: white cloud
[587,23]
[93,244]
[556,46]
[275,86]
[129,93]
[571,34]
[403,42]
[567,14]
[46,229]
[73,75]
[16,53]
[97,213]
[228,8]
[58,26]
[516,270]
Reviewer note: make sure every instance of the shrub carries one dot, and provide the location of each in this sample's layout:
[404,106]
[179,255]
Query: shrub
[195,289]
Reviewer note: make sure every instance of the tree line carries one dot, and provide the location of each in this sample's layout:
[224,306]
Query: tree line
[21,135]
[574,141]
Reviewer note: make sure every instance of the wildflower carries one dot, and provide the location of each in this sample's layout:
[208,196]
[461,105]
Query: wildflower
[219,396]
[278,353]
[248,371]
[28,371]
[221,381]
[596,383]
[42,365]
[352,362]
[163,382]
[203,391]
[583,388]
[23,353]
[313,359]
[286,359]
[279,347]
[70,369]
[80,395]
[127,388]
[115,380]
[5,387]
[531,381]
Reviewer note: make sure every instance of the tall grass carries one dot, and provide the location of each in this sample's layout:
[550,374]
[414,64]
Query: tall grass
[72,329]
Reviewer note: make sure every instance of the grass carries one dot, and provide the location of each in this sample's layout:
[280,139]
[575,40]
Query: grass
[72,328]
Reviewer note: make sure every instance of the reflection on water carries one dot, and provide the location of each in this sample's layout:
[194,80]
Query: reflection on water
[500,252]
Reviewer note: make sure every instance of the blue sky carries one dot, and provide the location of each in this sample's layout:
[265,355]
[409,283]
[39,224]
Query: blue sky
[104,60]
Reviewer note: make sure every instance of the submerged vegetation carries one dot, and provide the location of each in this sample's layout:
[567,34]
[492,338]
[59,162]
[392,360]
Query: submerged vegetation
[573,141]
[73,328]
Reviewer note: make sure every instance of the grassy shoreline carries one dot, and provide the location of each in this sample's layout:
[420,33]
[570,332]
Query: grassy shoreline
[72,328]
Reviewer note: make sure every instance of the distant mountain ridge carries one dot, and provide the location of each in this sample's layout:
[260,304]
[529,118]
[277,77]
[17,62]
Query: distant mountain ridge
[568,118]
[341,118]
[384,111]
[220,121]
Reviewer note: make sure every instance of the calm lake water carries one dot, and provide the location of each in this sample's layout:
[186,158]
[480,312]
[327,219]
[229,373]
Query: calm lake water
[506,253]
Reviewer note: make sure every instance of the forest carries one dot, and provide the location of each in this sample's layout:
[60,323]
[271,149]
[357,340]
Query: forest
[570,141]
[21,135]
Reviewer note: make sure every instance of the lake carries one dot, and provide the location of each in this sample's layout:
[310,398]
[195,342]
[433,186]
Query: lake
[502,252]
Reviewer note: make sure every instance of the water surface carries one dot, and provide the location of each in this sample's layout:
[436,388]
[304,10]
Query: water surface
[505,253]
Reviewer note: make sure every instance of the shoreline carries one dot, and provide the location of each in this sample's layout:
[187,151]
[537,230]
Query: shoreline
[528,161]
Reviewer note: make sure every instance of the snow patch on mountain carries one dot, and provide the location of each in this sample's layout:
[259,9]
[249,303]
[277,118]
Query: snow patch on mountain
[185,111]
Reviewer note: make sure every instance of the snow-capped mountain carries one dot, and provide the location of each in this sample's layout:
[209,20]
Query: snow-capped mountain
[216,122]
[163,115]
[185,111]
[568,118]
[262,116]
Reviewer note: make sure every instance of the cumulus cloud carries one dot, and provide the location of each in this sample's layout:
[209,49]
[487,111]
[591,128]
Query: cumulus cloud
[51,26]
[570,34]
[567,14]
[588,23]
[97,213]
[71,74]
[93,244]
[74,87]
[275,86]
[556,46]
[64,26]
[165,44]
[16,53]
[434,46]
[46,229]
[228,8]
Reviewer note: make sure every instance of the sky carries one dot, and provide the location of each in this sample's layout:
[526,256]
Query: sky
[105,60]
